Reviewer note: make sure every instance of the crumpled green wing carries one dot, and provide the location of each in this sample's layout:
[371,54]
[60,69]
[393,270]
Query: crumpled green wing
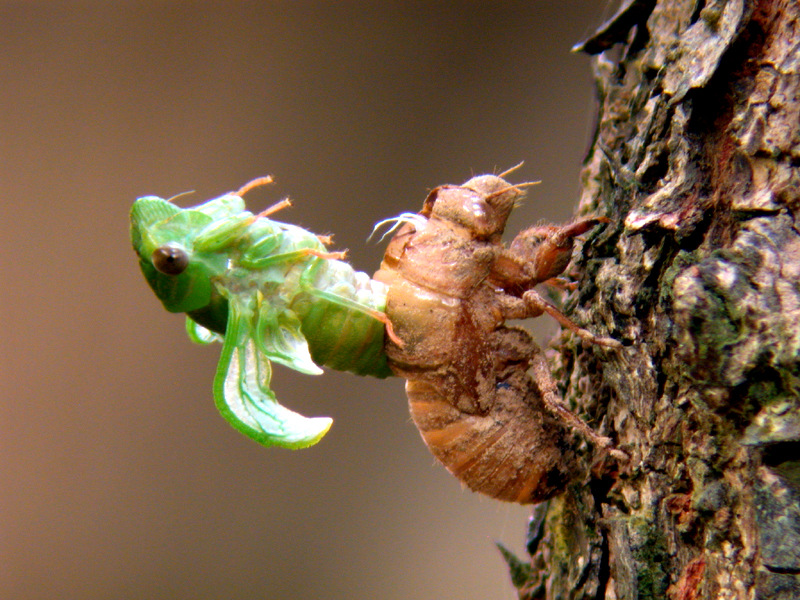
[280,338]
[243,396]
[199,334]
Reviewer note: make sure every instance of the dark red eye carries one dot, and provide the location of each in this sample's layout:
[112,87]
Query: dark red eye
[170,260]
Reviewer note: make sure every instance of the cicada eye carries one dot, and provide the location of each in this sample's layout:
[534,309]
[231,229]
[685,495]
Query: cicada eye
[170,260]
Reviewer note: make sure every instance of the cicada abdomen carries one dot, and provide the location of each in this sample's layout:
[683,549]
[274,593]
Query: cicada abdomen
[505,445]
[452,284]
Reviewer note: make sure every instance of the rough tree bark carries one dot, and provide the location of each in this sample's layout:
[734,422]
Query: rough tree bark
[696,162]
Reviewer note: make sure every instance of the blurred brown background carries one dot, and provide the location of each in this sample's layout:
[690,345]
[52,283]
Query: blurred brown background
[119,478]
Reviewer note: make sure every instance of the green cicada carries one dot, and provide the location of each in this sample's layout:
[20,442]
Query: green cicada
[268,291]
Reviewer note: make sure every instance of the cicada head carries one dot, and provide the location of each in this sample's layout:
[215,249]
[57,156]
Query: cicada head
[182,250]
[482,205]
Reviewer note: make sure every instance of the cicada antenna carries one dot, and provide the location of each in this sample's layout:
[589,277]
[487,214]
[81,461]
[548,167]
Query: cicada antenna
[512,169]
[180,195]
[516,186]
[525,184]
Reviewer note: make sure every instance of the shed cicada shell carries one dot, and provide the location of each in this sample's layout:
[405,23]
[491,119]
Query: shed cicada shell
[479,391]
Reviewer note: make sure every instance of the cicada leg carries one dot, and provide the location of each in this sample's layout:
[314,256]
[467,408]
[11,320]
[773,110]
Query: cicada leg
[552,400]
[561,284]
[383,318]
[539,254]
[357,306]
[257,182]
[538,305]
[533,305]
[341,255]
[335,298]
[270,210]
[287,257]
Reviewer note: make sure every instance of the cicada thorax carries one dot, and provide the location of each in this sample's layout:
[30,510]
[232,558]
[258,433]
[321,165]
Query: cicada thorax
[469,392]
[289,271]
[437,263]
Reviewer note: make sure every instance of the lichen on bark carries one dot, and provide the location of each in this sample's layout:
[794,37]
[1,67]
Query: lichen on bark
[696,161]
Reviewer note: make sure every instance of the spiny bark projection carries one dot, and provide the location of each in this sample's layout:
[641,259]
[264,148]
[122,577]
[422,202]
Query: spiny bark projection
[696,162]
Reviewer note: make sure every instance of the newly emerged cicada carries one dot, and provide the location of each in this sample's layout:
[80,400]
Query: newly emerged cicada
[270,292]
[481,392]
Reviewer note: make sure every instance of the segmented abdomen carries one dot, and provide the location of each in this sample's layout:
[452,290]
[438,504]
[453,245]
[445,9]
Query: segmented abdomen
[513,451]
[476,407]
[340,334]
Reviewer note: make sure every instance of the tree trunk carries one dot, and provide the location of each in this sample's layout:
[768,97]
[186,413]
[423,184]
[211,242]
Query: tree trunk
[695,161]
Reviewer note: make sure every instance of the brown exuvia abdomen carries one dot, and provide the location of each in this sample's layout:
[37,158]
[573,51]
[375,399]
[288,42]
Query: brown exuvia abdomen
[508,446]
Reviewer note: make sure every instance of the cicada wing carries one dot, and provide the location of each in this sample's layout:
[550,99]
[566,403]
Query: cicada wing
[279,338]
[199,334]
[243,396]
